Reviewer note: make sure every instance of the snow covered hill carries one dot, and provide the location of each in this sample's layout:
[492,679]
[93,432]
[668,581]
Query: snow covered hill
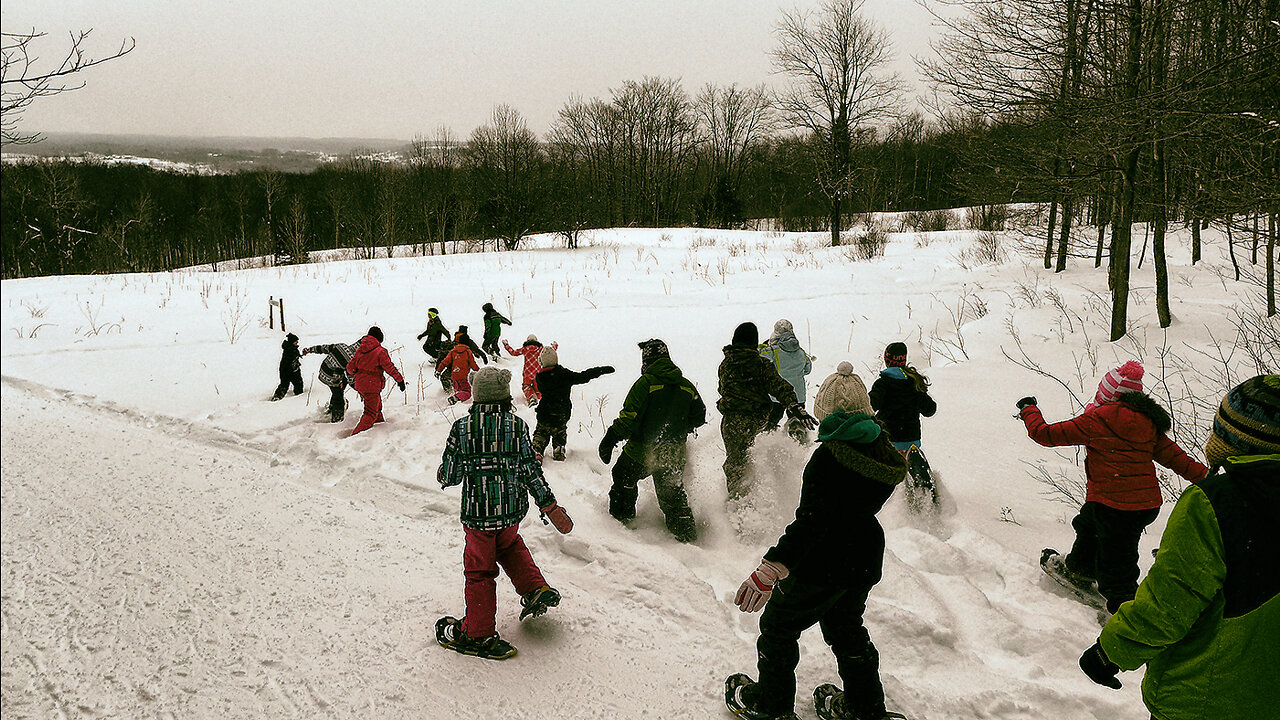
[176,546]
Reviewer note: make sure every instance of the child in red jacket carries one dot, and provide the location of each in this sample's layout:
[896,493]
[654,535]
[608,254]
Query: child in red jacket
[1123,432]
[530,351]
[366,368]
[459,362]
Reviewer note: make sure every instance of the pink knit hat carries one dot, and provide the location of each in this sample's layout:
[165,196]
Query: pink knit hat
[1125,379]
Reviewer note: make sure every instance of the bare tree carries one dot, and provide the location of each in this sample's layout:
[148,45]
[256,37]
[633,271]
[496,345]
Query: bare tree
[504,157]
[838,60]
[23,79]
[732,120]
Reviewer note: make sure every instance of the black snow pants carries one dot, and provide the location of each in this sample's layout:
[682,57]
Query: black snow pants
[1106,549]
[665,463]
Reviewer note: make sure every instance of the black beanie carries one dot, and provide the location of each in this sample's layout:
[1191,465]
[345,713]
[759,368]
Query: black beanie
[651,350]
[376,333]
[746,335]
[291,338]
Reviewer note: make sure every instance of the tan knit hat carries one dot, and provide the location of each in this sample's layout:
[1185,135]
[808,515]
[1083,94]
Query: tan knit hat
[842,390]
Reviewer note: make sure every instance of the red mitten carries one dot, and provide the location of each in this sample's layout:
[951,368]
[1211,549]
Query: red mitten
[559,518]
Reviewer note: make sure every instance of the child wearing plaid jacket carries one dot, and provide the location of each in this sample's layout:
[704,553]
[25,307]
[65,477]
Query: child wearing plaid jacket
[489,453]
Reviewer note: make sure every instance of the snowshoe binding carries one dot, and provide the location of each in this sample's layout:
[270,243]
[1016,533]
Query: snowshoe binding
[449,634]
[828,701]
[734,686]
[1082,588]
[537,602]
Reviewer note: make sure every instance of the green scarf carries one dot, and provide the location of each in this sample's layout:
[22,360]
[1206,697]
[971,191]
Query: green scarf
[857,428]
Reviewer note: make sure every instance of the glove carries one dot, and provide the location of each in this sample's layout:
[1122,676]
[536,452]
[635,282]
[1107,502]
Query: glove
[560,519]
[607,369]
[607,444]
[304,351]
[1095,664]
[402,385]
[1028,400]
[756,590]
[796,412]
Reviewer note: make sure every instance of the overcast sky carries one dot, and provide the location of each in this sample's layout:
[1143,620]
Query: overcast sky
[396,68]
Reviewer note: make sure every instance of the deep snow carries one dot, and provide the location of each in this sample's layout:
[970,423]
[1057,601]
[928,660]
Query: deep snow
[176,546]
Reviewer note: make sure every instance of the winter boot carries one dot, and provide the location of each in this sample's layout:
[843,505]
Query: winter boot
[557,453]
[449,634]
[738,690]
[829,701]
[537,602]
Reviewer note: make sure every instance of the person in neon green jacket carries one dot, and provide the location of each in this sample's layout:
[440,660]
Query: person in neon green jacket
[1206,620]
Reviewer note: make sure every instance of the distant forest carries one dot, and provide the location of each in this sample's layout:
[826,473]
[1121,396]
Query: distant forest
[1107,112]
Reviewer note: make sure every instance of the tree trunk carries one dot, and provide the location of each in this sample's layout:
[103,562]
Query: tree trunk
[1067,209]
[1195,240]
[1048,240]
[1271,264]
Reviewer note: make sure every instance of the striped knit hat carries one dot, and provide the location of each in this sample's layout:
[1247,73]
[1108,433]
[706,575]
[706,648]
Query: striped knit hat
[1125,379]
[895,355]
[1248,421]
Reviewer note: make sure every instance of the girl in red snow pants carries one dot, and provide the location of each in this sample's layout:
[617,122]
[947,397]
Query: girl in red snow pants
[486,550]
[372,411]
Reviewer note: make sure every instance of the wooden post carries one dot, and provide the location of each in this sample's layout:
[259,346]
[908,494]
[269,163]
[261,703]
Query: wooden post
[272,304]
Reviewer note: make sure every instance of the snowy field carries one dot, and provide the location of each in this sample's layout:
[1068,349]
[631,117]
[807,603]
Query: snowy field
[175,546]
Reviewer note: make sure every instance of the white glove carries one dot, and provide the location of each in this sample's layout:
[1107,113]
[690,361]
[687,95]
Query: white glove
[756,590]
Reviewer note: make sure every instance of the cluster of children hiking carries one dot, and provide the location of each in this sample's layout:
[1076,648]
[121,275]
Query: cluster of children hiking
[1205,620]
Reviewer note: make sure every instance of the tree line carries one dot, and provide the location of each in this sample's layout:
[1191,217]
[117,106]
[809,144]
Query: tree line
[1110,112]
[649,156]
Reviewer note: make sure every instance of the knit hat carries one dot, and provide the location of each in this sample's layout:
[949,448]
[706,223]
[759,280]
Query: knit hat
[895,355]
[746,335]
[490,385]
[1125,379]
[486,307]
[532,340]
[548,357]
[842,391]
[651,350]
[291,338]
[782,327]
[1248,421]
[376,332]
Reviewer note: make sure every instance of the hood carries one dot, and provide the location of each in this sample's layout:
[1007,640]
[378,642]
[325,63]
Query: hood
[663,369]
[785,340]
[285,345]
[877,460]
[368,343]
[893,373]
[1132,419]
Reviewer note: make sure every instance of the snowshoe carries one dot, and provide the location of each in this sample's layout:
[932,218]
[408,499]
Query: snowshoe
[828,701]
[557,453]
[537,602]
[920,484]
[734,686]
[1082,588]
[449,635]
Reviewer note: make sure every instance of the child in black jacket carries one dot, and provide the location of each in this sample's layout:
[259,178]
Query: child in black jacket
[900,396]
[290,367]
[554,382]
[824,565]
